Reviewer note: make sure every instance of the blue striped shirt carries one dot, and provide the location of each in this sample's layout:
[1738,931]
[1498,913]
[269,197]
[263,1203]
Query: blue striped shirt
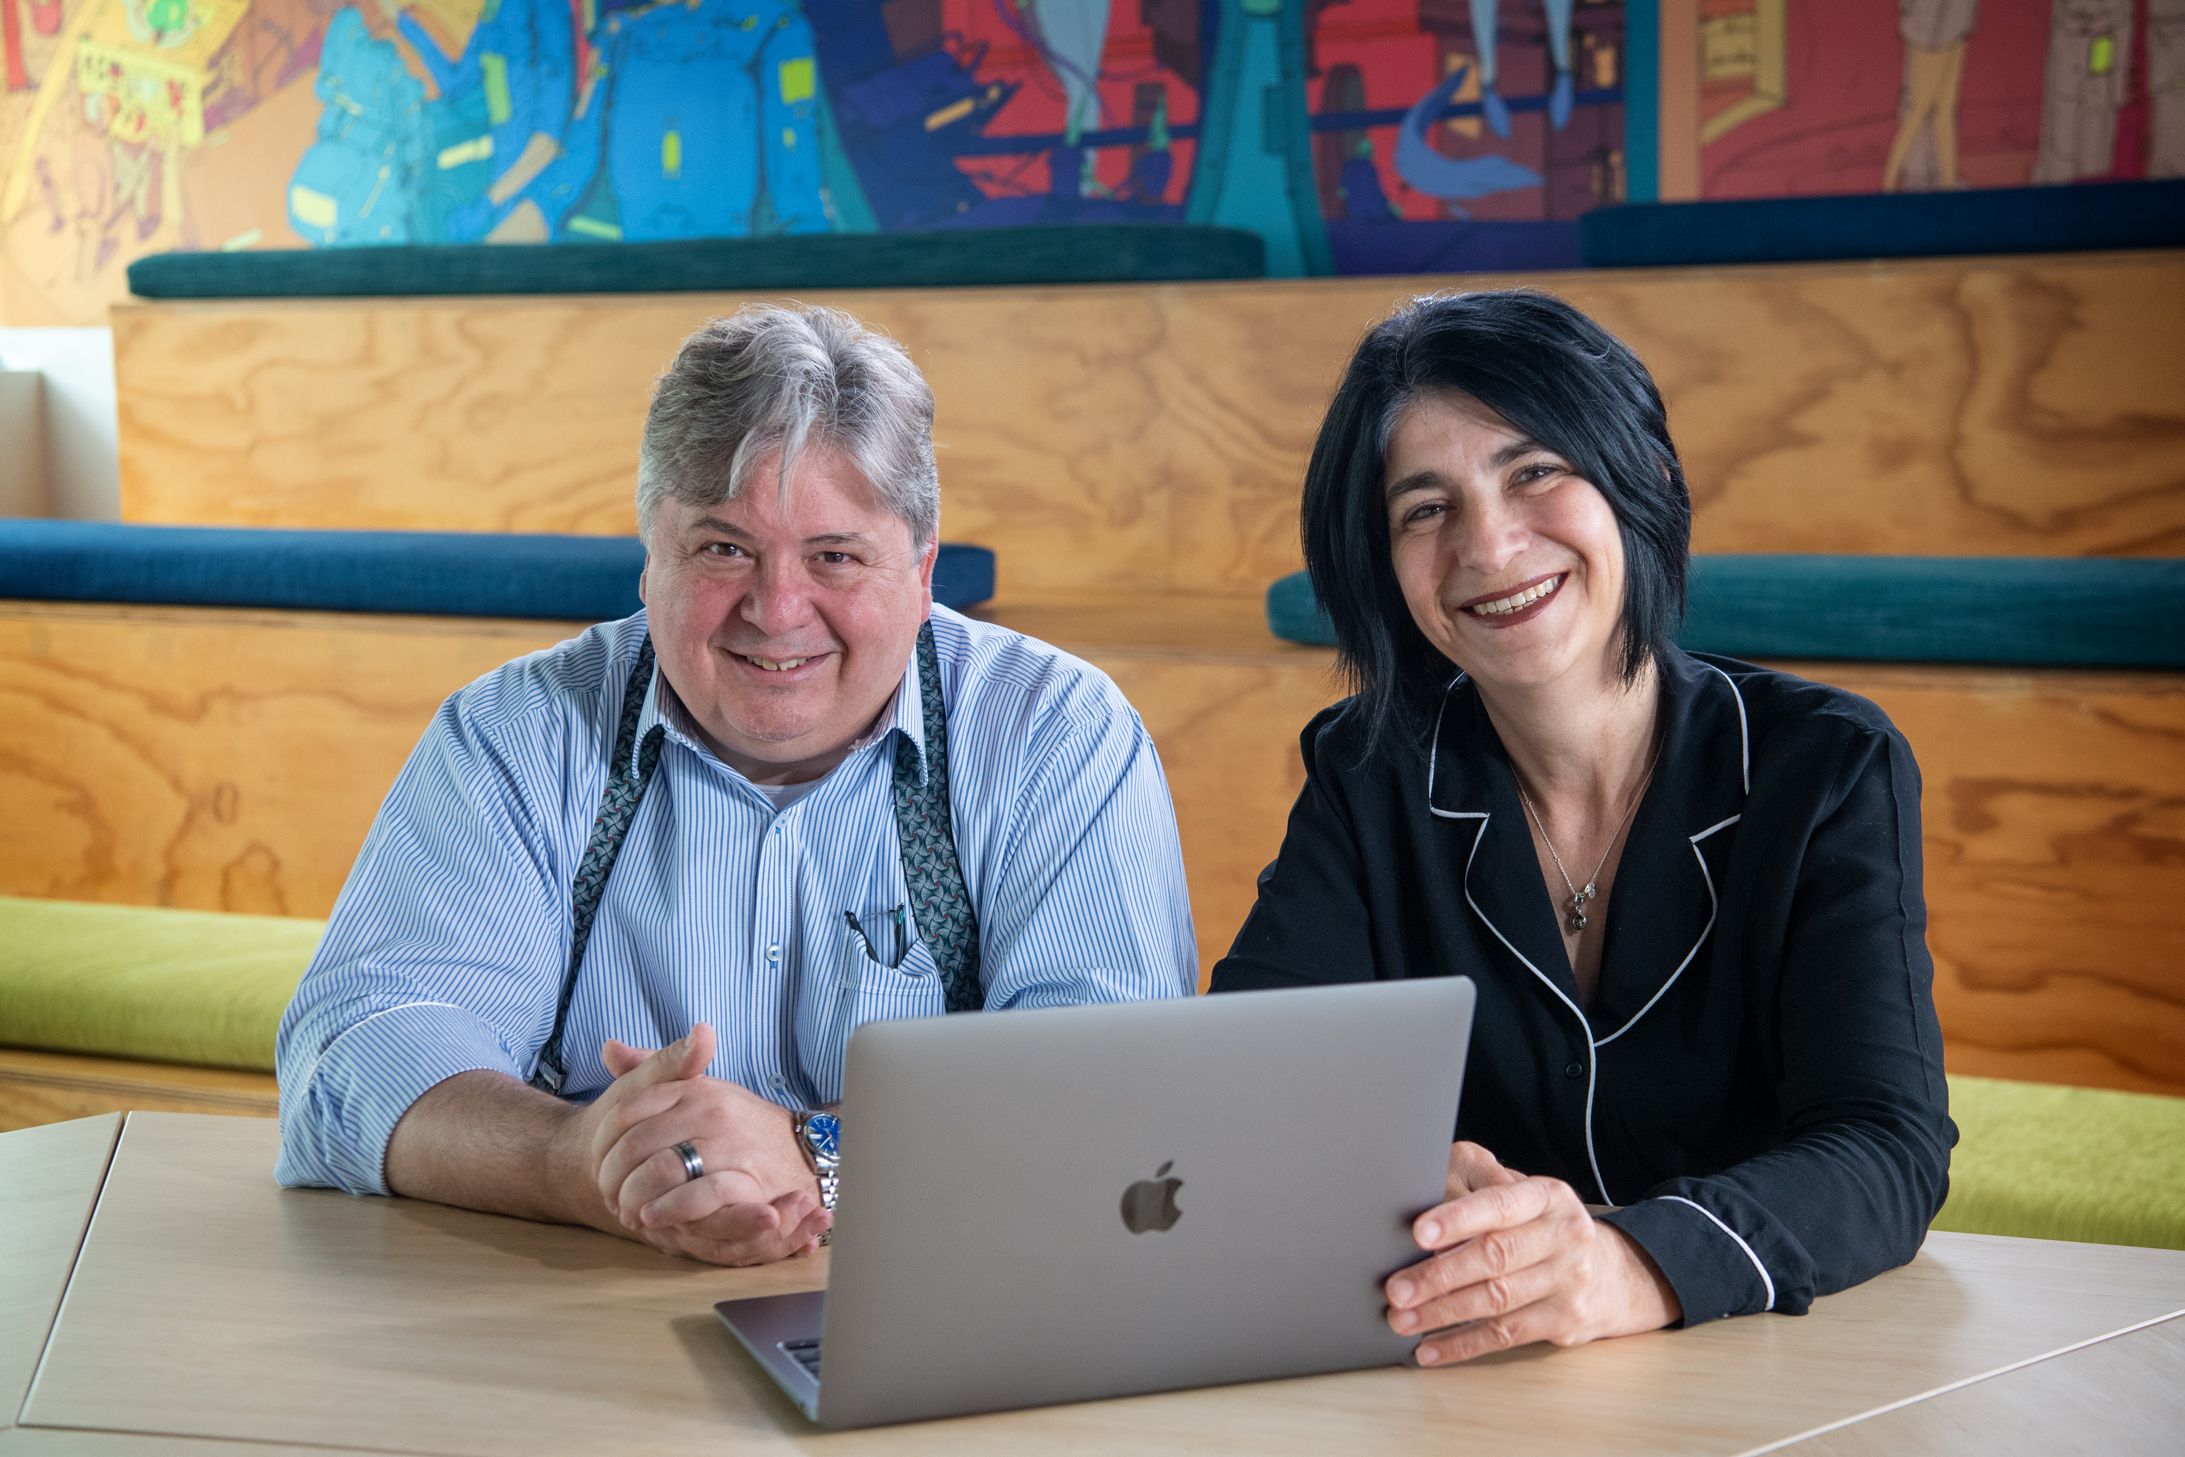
[446,950]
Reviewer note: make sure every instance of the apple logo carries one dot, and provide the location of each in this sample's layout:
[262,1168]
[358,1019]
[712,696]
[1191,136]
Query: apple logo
[1150,1204]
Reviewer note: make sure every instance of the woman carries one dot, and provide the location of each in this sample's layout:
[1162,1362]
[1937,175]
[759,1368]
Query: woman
[1688,888]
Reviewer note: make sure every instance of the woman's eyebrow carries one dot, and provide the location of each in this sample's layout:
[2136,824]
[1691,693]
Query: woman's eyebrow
[1517,450]
[1418,480]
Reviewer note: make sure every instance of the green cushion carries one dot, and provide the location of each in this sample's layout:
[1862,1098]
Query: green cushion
[163,986]
[2009,611]
[2067,1163]
[948,258]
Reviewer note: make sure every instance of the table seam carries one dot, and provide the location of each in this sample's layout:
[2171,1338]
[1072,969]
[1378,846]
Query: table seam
[75,1264]
[1851,1421]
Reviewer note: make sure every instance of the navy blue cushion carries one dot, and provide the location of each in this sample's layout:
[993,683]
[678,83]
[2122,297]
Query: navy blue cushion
[1885,225]
[955,257]
[2004,611]
[432,573]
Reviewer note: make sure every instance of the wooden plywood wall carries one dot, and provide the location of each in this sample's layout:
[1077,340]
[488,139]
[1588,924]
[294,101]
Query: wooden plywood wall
[1151,438]
[226,760]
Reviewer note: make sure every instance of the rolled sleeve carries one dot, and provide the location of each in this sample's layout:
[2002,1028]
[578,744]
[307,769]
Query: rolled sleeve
[335,1131]
[443,954]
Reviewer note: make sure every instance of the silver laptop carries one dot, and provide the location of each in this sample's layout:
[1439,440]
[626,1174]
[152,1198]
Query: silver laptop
[1084,1202]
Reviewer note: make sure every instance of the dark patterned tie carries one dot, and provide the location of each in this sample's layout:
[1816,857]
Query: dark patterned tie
[939,899]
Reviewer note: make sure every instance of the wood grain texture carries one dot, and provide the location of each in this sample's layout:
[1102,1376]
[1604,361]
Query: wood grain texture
[208,1302]
[233,761]
[53,1087]
[213,759]
[49,1180]
[2054,827]
[1152,438]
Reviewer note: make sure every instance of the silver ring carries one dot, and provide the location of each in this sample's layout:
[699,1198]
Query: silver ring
[693,1166]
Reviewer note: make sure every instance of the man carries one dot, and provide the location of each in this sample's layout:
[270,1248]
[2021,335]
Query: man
[790,796]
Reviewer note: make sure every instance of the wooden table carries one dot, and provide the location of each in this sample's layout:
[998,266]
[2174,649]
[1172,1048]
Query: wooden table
[208,1312]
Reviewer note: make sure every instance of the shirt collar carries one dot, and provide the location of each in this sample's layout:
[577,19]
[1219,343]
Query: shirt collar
[1705,758]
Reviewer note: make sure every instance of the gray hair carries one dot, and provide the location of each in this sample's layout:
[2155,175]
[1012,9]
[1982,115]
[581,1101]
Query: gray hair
[777,378]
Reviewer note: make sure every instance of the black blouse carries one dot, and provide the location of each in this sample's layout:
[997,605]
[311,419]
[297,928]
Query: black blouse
[1759,1082]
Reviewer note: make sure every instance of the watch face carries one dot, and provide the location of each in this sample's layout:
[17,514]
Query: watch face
[823,1132]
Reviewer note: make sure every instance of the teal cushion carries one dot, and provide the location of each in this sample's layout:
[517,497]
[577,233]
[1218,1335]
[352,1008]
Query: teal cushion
[157,985]
[2066,1163]
[949,258]
[2008,611]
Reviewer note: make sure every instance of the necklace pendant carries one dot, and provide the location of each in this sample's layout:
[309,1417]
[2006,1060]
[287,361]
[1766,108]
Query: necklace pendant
[1579,920]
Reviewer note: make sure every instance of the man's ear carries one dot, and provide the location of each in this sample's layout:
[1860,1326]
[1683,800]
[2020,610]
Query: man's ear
[925,570]
[642,573]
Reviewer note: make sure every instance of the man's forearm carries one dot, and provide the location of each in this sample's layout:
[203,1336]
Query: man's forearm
[482,1140]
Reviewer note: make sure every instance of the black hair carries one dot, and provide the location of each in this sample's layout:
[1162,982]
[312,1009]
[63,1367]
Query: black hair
[1555,376]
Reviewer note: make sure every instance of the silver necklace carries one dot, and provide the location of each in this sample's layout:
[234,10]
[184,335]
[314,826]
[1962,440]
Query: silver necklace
[1579,920]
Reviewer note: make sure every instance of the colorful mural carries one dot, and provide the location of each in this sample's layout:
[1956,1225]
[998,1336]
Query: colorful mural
[1354,135]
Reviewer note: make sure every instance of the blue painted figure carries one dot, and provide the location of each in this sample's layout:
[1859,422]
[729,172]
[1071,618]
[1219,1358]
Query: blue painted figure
[1451,179]
[710,127]
[1562,90]
[355,183]
[500,120]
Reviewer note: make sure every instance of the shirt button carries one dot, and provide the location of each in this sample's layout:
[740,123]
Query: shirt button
[773,956]
[1574,1070]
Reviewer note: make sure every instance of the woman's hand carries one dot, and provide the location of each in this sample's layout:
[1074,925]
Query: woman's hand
[1472,1167]
[1520,1260]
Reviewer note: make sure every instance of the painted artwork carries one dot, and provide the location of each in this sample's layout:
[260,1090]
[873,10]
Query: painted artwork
[1857,96]
[1355,136]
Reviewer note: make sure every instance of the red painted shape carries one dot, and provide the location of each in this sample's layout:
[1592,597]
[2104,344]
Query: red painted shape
[2128,163]
[11,35]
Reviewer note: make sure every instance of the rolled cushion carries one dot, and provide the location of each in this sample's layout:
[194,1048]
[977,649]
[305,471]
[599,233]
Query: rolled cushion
[2066,1163]
[2004,611]
[1974,221]
[432,573]
[155,985]
[945,258]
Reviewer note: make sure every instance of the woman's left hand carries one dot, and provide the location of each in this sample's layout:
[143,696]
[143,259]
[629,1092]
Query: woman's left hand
[1523,1262]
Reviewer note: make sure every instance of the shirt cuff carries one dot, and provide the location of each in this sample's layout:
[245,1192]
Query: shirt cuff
[1709,1264]
[335,1133]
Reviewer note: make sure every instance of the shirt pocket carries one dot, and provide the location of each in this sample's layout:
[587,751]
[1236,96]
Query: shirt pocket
[876,992]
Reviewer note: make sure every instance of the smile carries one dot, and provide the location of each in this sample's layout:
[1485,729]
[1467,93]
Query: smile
[1517,601]
[774,665]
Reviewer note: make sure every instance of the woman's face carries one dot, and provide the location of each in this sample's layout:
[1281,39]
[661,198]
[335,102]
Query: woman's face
[1509,560]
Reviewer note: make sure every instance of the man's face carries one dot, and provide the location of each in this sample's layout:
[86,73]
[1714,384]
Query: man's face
[784,626]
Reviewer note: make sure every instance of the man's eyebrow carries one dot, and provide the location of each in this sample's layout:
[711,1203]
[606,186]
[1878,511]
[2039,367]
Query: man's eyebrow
[837,538]
[714,523]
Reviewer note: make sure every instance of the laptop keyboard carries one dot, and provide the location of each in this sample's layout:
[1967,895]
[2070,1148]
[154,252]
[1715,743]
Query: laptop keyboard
[805,1354]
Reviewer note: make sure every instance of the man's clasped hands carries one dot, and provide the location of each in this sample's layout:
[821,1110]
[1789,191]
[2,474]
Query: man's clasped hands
[756,1201]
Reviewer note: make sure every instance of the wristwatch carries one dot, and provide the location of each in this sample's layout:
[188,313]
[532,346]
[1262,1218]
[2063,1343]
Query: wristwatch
[819,1135]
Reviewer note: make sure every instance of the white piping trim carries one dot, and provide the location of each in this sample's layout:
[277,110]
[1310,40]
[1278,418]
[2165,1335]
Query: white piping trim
[1733,1234]
[1586,1028]
[1744,732]
[1714,905]
[1433,751]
